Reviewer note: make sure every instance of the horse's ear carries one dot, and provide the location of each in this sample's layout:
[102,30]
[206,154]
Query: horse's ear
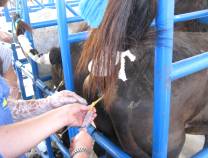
[125,24]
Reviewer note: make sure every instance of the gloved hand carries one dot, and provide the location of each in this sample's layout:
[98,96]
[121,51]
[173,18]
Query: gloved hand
[22,109]
[65,97]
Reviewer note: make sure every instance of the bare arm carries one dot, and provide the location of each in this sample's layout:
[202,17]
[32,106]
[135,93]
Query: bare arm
[22,109]
[20,137]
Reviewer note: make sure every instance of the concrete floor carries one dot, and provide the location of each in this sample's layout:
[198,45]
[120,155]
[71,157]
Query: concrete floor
[192,145]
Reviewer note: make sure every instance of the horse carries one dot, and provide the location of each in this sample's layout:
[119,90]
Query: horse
[126,112]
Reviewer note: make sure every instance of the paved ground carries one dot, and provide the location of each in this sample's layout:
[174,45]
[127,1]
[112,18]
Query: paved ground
[192,145]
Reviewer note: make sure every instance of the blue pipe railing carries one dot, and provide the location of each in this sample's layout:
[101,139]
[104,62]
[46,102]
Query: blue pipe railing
[54,22]
[165,71]
[65,50]
[162,81]
[189,66]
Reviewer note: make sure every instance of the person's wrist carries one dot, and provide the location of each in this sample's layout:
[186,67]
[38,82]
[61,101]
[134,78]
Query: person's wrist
[81,152]
[61,114]
[65,114]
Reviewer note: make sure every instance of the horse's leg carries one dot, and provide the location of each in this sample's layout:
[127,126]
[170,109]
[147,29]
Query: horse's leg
[176,141]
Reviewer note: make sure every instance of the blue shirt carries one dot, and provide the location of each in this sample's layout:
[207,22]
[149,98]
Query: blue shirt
[5,113]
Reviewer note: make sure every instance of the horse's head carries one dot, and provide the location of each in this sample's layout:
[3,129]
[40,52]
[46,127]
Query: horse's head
[20,25]
[125,24]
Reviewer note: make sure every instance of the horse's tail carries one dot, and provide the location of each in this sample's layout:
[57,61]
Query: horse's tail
[125,23]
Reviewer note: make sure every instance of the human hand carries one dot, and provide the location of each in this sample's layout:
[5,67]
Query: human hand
[82,140]
[65,97]
[5,37]
[75,114]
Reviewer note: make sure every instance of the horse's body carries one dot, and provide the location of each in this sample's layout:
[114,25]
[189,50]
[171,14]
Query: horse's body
[128,117]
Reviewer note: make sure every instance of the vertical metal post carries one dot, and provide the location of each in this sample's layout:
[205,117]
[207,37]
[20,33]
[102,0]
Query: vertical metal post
[29,36]
[6,14]
[162,81]
[19,73]
[37,91]
[65,50]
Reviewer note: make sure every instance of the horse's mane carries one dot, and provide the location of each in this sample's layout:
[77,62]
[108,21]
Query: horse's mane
[126,22]
[20,25]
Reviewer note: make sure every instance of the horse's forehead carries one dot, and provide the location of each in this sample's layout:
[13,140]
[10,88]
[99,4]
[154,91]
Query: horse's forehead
[121,57]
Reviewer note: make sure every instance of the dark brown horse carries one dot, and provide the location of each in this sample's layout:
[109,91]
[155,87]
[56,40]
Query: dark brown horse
[127,112]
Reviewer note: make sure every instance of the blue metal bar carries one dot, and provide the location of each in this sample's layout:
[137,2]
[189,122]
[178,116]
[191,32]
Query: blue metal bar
[189,16]
[6,14]
[54,22]
[45,78]
[39,4]
[162,81]
[29,36]
[63,149]
[45,5]
[81,36]
[201,154]
[49,149]
[65,51]
[19,73]
[106,144]
[189,66]
[37,91]
[71,9]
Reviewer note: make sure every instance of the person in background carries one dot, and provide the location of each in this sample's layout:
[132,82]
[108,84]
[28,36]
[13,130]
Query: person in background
[6,60]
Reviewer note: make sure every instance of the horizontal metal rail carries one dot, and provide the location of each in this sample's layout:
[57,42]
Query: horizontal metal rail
[189,66]
[188,16]
[81,36]
[54,22]
[106,144]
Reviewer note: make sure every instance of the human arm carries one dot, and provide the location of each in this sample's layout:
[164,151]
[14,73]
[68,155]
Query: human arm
[82,141]
[22,109]
[22,136]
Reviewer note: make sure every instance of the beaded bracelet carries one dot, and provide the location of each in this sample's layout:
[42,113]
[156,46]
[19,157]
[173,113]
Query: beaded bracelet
[78,150]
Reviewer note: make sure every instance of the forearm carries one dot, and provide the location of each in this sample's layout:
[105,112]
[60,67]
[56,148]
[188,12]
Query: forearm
[20,137]
[23,109]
